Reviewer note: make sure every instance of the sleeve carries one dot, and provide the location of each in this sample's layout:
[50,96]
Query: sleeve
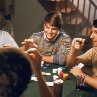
[63,50]
[10,40]
[88,56]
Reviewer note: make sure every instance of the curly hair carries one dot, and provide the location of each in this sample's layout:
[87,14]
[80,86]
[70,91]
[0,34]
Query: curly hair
[15,66]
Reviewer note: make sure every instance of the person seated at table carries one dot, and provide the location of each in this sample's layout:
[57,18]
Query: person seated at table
[9,28]
[88,58]
[5,38]
[7,24]
[52,43]
[16,70]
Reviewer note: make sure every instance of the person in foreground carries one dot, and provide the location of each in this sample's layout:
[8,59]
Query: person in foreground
[16,70]
[52,43]
[88,58]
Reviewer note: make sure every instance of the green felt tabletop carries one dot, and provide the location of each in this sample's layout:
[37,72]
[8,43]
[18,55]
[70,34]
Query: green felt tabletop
[69,86]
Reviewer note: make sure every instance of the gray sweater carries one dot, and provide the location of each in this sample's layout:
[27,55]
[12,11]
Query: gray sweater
[58,48]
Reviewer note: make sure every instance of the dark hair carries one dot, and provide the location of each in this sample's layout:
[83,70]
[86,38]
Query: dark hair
[95,23]
[2,20]
[15,66]
[54,19]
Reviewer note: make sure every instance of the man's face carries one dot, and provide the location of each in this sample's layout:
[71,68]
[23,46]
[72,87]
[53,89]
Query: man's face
[94,36]
[50,31]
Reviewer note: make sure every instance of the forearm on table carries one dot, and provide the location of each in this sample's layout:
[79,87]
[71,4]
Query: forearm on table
[54,59]
[44,89]
[92,81]
[47,58]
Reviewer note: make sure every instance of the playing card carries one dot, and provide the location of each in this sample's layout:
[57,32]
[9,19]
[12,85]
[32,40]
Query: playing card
[80,65]
[49,84]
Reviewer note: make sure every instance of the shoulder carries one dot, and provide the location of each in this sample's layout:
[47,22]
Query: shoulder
[4,32]
[94,49]
[38,34]
[91,52]
[64,36]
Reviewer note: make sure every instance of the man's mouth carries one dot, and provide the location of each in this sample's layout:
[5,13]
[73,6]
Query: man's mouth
[94,41]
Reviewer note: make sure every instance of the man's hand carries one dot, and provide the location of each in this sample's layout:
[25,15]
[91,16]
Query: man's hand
[6,45]
[78,43]
[76,71]
[28,43]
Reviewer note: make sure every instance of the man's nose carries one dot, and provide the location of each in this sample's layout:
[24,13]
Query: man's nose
[92,35]
[50,30]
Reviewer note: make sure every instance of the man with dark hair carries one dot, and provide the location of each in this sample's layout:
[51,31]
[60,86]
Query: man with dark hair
[88,58]
[16,70]
[52,43]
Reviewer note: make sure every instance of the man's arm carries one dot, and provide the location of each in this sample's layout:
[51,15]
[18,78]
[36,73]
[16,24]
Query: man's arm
[36,66]
[63,49]
[76,46]
[72,57]
[47,58]
[44,90]
[28,43]
[92,81]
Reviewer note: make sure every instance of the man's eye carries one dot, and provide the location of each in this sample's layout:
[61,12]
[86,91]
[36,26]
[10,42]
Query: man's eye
[94,31]
[54,28]
[47,27]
